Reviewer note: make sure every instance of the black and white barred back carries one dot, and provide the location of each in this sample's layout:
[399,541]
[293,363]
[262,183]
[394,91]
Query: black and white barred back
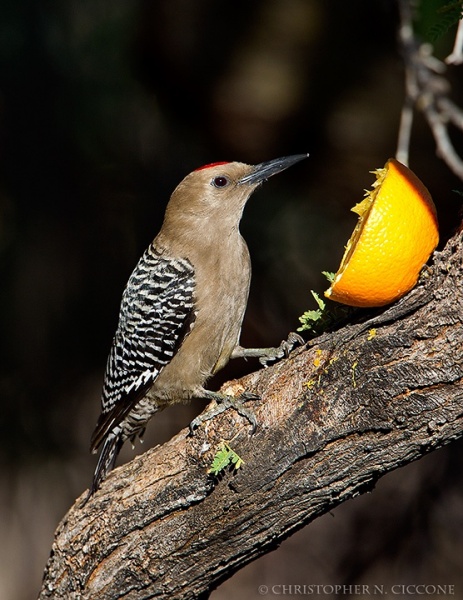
[157,311]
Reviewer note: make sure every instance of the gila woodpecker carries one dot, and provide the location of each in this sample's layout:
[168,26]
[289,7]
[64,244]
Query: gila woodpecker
[182,308]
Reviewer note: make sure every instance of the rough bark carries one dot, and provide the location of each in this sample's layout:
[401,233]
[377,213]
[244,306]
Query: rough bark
[335,416]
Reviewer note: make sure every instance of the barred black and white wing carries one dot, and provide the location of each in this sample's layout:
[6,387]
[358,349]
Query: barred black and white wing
[157,312]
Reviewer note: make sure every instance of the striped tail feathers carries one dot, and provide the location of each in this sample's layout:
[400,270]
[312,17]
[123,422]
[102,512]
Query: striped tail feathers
[110,434]
[110,450]
[111,419]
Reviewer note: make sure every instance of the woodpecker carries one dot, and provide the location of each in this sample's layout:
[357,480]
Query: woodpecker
[182,308]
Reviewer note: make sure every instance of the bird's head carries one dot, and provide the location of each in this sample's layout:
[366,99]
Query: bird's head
[216,194]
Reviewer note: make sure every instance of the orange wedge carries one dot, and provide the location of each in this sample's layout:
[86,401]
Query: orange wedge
[394,237]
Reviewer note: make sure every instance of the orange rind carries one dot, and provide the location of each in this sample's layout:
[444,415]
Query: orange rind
[395,235]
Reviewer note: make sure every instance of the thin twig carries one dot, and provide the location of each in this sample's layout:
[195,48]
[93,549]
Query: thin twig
[456,56]
[445,148]
[405,132]
[427,89]
[451,111]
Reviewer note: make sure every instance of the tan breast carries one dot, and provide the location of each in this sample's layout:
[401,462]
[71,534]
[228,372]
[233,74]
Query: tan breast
[222,288]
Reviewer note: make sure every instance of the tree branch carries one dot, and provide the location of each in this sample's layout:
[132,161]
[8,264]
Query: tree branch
[334,417]
[426,89]
[456,56]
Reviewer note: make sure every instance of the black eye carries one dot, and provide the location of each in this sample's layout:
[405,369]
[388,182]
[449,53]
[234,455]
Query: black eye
[220,181]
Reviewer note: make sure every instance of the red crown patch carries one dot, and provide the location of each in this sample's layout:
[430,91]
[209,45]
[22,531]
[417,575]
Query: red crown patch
[214,164]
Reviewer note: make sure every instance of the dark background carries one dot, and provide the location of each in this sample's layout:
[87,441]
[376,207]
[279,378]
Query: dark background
[104,108]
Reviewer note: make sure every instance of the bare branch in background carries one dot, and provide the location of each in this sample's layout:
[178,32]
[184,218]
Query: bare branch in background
[427,90]
[405,131]
[456,57]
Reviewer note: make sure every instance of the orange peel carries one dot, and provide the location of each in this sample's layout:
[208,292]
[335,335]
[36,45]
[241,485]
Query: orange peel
[395,235]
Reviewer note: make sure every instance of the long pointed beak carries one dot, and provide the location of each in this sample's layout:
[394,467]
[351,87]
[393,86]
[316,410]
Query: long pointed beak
[265,170]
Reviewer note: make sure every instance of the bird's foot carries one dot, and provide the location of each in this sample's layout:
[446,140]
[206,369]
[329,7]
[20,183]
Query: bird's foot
[223,403]
[283,350]
[268,355]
